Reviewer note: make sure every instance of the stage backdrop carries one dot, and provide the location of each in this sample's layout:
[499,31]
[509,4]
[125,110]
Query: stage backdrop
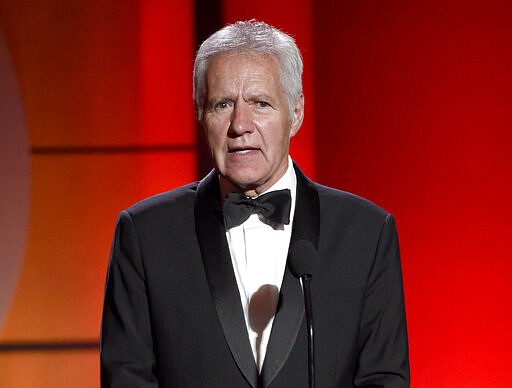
[407,104]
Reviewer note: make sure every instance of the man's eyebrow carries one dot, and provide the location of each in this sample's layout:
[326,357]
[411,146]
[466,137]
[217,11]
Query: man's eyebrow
[260,96]
[220,97]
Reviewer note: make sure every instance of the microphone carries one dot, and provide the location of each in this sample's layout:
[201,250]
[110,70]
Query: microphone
[301,261]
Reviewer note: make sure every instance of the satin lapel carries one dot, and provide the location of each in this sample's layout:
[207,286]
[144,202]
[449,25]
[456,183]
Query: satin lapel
[221,278]
[290,311]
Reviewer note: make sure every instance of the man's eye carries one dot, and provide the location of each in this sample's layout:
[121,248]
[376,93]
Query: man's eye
[262,104]
[222,105]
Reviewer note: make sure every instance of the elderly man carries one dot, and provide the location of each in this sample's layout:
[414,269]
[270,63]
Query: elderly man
[199,291]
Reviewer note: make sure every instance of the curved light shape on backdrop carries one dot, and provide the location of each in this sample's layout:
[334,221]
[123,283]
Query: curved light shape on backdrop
[14,181]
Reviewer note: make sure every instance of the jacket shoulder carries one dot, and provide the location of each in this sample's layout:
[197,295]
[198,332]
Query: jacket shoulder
[337,202]
[349,203]
[175,200]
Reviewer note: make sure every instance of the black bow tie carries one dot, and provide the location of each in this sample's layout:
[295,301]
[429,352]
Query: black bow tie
[274,206]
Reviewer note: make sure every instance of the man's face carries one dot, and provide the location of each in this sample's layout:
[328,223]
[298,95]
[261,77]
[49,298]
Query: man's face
[246,121]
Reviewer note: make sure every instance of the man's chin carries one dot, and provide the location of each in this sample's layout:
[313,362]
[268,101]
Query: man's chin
[240,184]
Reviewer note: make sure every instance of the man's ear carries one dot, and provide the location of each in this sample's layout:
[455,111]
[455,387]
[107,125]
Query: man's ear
[298,115]
[202,127]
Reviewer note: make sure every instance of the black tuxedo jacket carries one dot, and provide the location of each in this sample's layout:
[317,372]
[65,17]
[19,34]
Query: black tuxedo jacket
[173,318]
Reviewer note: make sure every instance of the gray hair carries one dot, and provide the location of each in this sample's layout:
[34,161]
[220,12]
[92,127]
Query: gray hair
[254,37]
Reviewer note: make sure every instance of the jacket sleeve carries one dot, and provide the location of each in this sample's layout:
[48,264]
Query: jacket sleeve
[383,357]
[126,352]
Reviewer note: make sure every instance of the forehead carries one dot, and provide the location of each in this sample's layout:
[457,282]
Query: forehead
[242,66]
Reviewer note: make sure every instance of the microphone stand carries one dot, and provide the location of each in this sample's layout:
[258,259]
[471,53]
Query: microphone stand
[305,281]
[302,259]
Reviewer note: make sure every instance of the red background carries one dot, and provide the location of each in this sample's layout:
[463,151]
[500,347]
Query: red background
[407,104]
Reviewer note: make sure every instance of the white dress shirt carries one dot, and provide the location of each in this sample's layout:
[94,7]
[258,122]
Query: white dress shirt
[258,254]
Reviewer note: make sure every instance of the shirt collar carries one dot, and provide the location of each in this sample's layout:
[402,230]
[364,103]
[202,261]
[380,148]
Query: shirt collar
[287,181]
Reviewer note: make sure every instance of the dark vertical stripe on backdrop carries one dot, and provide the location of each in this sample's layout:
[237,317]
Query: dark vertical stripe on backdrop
[208,19]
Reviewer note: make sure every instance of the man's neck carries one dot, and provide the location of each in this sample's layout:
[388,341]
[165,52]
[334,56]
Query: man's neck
[227,186]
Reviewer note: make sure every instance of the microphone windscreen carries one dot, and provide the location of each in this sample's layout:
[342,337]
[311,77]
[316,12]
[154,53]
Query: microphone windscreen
[302,258]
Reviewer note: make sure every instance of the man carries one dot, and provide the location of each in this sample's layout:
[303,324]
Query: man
[200,294]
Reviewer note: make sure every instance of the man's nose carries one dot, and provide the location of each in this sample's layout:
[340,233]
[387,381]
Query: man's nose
[241,119]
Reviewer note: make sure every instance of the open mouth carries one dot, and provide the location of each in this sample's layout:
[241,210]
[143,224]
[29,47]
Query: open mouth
[241,151]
